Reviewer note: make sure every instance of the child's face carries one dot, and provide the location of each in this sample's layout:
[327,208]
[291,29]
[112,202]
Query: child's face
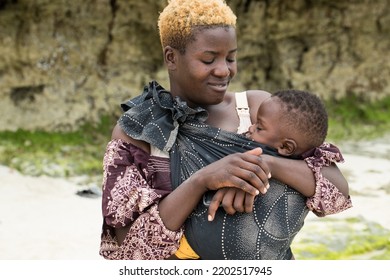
[267,129]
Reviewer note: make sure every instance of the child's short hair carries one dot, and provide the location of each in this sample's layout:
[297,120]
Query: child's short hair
[305,112]
[178,19]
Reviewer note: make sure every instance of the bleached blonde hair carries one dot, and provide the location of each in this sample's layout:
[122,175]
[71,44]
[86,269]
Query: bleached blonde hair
[180,18]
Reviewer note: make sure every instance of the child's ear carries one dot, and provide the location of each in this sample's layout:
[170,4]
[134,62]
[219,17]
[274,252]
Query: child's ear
[170,57]
[288,147]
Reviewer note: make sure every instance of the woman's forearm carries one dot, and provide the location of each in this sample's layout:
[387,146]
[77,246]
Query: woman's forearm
[178,205]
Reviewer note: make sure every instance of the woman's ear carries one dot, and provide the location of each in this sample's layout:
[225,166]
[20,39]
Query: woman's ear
[288,147]
[170,57]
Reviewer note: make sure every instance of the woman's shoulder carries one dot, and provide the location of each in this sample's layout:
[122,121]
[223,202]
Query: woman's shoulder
[118,133]
[256,97]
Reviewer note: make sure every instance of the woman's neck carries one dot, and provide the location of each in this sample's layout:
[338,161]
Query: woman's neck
[223,115]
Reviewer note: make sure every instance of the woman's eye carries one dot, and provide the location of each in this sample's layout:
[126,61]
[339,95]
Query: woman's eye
[259,128]
[208,61]
[231,60]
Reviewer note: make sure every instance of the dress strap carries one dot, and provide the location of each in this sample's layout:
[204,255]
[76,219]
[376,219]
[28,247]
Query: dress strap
[243,112]
[154,151]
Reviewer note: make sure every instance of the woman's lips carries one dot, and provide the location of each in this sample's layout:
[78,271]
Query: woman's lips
[219,86]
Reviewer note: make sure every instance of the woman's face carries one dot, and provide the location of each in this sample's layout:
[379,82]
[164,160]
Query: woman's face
[202,74]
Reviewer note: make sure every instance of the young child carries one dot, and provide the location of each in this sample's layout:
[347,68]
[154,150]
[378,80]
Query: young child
[294,123]
[291,121]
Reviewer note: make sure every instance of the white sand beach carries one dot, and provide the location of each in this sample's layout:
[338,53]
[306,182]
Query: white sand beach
[42,218]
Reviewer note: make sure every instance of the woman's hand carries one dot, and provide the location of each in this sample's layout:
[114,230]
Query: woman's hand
[244,171]
[232,200]
[239,200]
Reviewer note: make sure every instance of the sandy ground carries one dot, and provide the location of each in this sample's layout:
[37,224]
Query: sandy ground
[43,218]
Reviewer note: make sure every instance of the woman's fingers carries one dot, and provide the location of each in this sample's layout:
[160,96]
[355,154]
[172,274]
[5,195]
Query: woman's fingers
[238,178]
[228,201]
[263,171]
[232,200]
[249,202]
[245,171]
[254,171]
[255,152]
[225,198]
[242,201]
[215,203]
[238,202]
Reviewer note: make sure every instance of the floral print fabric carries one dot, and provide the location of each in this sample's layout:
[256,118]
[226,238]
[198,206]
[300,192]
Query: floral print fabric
[133,184]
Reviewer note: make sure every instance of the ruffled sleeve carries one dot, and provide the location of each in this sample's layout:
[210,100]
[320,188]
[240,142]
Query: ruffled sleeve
[327,198]
[132,189]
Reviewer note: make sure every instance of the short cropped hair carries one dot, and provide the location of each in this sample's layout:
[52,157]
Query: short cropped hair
[305,112]
[179,19]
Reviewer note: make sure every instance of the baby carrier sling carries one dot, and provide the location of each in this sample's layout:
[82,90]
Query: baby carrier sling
[170,125]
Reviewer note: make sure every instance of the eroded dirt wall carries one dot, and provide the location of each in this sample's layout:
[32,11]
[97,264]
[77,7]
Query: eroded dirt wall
[65,62]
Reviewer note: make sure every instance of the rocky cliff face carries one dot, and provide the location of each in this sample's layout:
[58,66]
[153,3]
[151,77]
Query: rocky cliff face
[66,62]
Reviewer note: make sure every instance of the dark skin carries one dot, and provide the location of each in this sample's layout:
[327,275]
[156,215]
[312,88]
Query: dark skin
[233,200]
[242,170]
[200,76]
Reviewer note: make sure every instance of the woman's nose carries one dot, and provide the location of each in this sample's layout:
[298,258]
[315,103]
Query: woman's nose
[222,69]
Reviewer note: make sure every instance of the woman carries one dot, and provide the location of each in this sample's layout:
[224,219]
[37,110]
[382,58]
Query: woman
[155,168]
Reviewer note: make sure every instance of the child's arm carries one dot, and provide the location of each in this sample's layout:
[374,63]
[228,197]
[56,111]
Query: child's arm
[327,199]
